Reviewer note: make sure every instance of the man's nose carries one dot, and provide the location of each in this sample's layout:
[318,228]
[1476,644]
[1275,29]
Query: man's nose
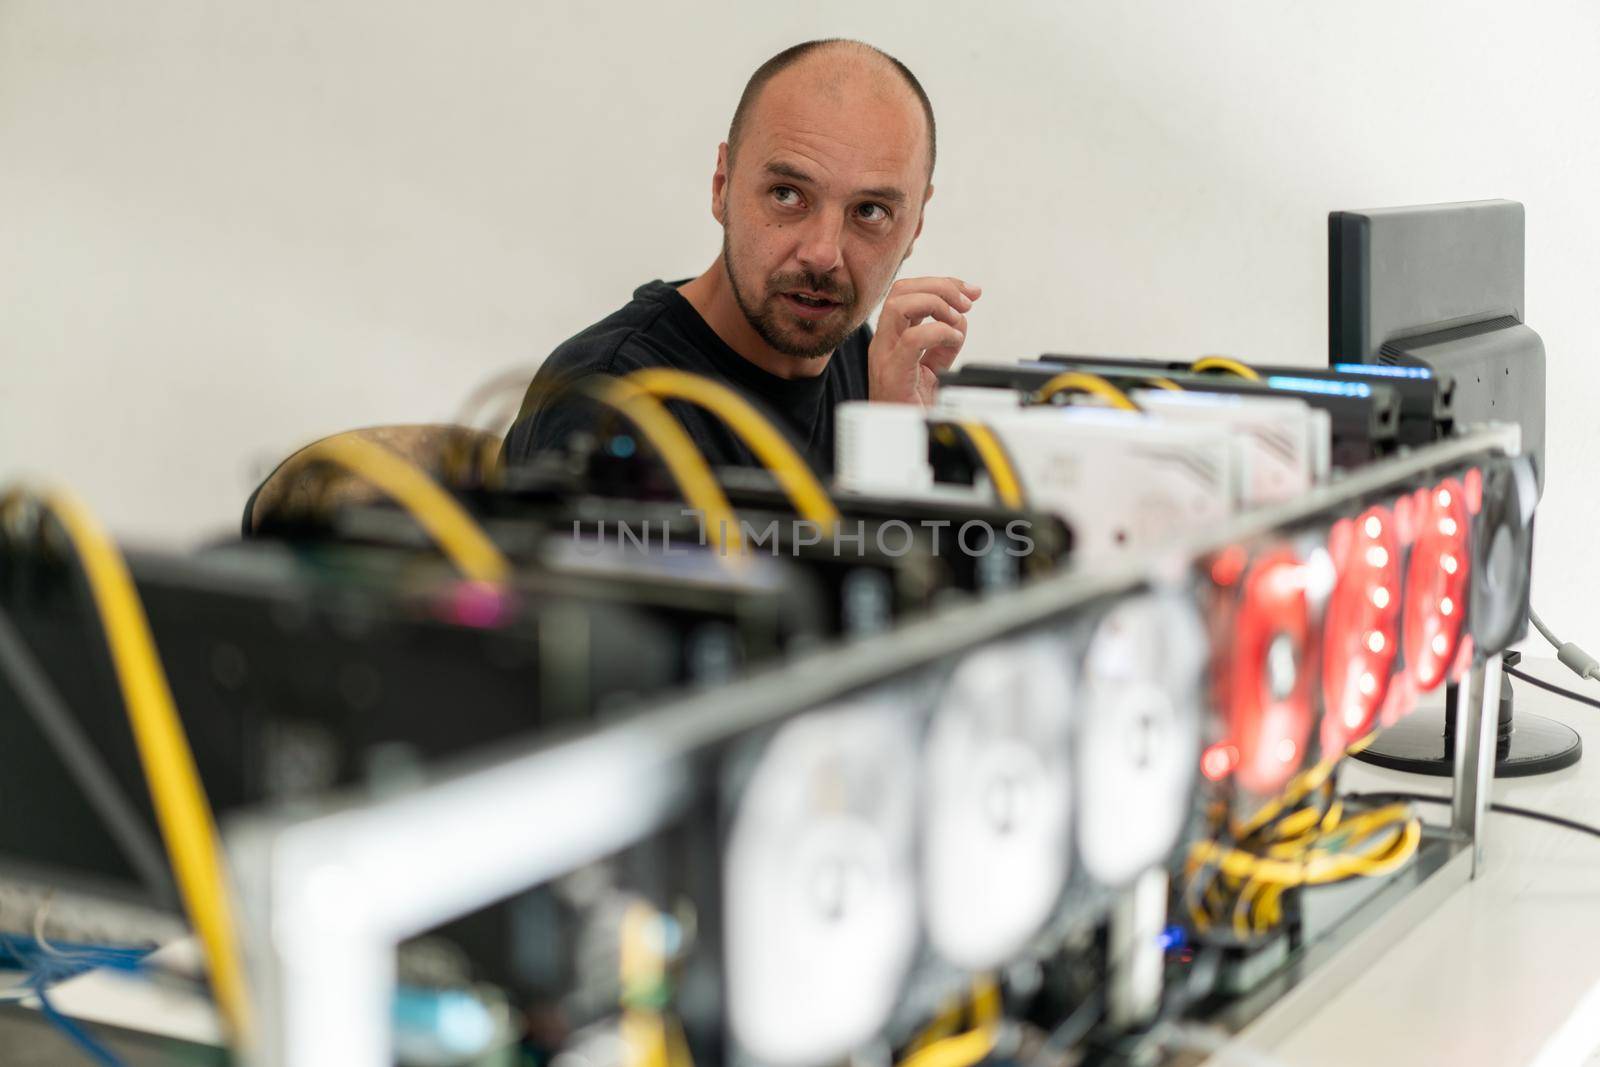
[820,250]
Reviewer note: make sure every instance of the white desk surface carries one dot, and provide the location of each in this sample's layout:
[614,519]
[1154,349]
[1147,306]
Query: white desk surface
[1506,970]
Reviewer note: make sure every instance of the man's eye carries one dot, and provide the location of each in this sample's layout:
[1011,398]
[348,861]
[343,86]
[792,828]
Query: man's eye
[786,195]
[873,212]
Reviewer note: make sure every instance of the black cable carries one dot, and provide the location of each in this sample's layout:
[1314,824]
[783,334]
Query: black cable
[45,705]
[1074,1028]
[1556,689]
[1503,809]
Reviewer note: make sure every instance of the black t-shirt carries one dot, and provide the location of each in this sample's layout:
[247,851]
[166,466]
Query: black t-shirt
[659,328]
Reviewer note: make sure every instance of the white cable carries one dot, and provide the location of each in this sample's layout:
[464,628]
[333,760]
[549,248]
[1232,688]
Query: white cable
[1538,624]
[1576,659]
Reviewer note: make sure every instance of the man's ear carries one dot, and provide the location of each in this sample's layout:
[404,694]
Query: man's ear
[921,214]
[719,186]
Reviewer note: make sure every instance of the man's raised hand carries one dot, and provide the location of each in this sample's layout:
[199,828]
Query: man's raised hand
[920,332]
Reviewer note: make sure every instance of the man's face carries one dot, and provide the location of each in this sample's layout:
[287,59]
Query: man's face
[821,206]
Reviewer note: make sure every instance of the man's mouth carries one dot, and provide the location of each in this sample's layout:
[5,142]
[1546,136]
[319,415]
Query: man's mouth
[810,304]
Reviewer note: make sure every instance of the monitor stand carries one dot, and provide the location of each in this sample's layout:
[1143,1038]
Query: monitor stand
[1424,741]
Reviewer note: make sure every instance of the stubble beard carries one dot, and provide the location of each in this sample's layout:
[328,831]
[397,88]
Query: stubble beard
[790,334]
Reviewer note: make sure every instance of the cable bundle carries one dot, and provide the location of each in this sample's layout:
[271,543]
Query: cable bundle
[940,1045]
[1305,837]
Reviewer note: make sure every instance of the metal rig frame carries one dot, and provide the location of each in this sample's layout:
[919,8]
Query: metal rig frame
[326,894]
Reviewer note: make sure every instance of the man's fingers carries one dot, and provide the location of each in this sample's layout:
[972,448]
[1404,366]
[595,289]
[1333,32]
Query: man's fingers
[911,308]
[954,291]
[958,293]
[937,281]
[920,333]
[932,334]
[939,358]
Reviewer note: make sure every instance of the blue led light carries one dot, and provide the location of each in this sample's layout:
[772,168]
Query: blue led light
[1171,939]
[1318,385]
[1377,370]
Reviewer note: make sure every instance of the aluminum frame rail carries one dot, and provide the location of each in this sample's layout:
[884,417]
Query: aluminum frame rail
[327,892]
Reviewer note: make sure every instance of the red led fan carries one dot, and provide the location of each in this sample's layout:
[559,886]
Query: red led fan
[1269,676]
[1437,584]
[1402,696]
[1361,629]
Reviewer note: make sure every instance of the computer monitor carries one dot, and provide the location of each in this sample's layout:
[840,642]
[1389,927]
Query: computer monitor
[1441,286]
[1438,289]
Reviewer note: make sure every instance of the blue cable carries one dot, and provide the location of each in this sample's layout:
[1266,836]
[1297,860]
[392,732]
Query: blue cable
[75,1033]
[67,958]
[59,962]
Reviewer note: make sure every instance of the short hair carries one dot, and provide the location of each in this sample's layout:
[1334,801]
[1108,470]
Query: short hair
[792,55]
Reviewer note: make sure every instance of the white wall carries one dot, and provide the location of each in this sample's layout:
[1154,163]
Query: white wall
[228,228]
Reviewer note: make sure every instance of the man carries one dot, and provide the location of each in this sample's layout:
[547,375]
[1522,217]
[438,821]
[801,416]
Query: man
[820,190]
